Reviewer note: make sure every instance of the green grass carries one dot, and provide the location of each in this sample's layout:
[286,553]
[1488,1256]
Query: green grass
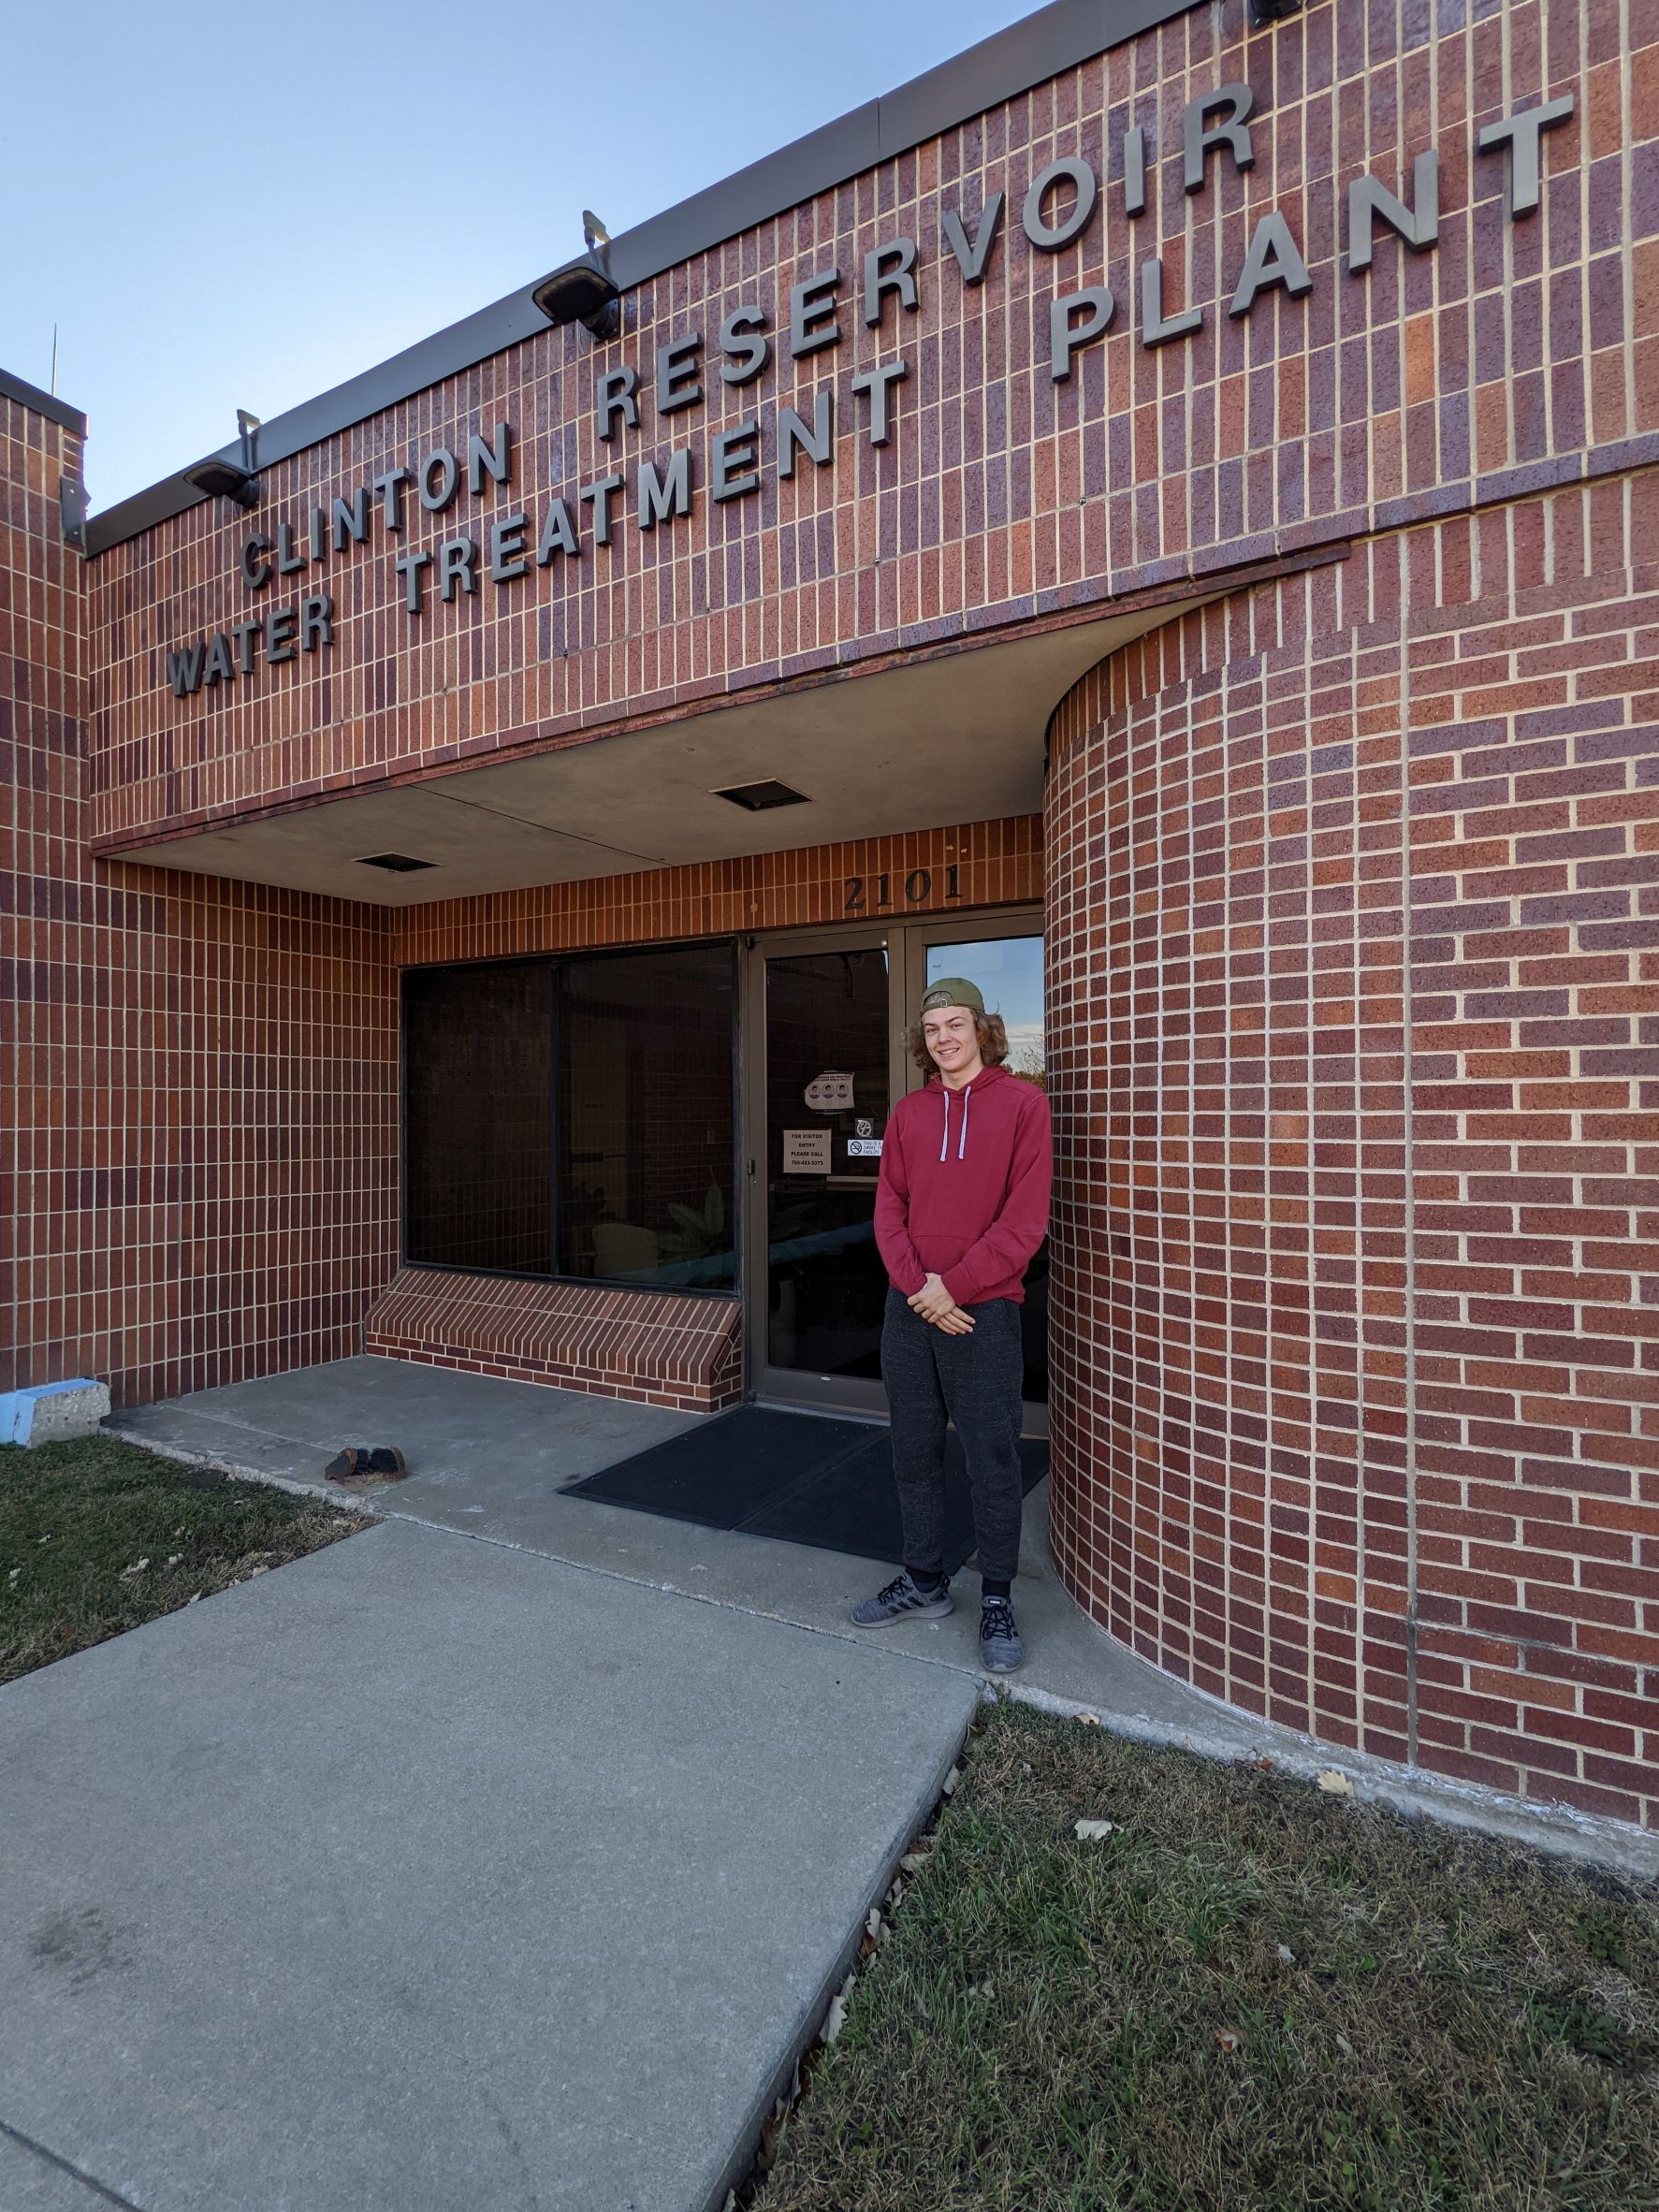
[1459,2023]
[78,1519]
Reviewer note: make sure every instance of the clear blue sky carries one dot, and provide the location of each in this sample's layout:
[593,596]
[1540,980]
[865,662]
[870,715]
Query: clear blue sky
[223,209]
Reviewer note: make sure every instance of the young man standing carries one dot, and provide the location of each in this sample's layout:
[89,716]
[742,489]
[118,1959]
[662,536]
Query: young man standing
[961,1206]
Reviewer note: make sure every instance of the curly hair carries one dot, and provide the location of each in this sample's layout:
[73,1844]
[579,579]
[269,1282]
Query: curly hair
[988,1028]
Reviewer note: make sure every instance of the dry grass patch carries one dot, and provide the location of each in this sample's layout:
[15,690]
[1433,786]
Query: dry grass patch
[1247,1994]
[98,1536]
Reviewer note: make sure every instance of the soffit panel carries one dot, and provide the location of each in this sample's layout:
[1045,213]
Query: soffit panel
[957,738]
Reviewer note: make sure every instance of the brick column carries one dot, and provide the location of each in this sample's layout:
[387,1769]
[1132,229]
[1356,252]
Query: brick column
[1356,1361]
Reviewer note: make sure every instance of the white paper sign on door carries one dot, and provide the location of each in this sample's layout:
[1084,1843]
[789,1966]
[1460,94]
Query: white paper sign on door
[806,1152]
[831,1092]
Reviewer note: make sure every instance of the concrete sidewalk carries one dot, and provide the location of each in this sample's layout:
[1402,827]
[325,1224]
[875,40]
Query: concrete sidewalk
[500,1859]
[433,1876]
[489,1460]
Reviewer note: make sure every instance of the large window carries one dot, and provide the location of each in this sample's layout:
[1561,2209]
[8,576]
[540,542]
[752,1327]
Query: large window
[575,1116]
[645,1118]
[477,1115]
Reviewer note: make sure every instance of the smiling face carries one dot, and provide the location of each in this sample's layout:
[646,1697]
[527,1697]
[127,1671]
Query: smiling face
[951,1036]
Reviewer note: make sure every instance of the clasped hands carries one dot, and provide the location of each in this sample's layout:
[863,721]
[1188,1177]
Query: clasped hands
[940,1310]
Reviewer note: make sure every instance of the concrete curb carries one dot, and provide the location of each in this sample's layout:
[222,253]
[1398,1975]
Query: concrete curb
[1556,1829]
[181,1455]
[50,1413]
[810,2020]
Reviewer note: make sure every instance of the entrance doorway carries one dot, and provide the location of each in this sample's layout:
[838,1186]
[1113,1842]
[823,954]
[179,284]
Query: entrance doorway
[825,1015]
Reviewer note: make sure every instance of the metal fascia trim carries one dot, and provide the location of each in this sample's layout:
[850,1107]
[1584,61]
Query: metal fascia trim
[47,403]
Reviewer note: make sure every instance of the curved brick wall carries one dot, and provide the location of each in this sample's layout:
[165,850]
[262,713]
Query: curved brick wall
[1356,1364]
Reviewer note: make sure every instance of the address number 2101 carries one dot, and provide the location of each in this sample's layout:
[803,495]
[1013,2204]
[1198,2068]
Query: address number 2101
[869,893]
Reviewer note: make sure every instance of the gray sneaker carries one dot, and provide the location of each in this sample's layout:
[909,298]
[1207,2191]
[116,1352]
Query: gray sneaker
[900,1600]
[1001,1649]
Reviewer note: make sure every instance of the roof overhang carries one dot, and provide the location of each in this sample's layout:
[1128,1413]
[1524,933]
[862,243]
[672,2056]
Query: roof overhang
[955,738]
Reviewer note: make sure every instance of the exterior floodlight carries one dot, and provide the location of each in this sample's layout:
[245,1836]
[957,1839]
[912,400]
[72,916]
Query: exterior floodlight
[583,291]
[584,294]
[223,480]
[1263,12]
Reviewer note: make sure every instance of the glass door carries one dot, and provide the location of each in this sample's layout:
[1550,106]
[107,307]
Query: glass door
[828,1030]
[823,1020]
[1004,957]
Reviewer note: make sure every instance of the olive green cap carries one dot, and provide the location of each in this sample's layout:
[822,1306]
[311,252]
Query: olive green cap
[952,990]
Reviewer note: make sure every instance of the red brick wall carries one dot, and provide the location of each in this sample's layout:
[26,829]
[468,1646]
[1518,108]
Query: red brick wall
[652,1347]
[198,1116]
[200,1099]
[1353,1357]
[1446,377]
[996,863]
[1354,1052]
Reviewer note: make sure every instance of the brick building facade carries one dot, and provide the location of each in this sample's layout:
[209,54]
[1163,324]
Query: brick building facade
[1214,495]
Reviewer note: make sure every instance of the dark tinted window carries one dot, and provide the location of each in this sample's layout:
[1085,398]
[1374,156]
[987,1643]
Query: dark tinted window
[478,1077]
[645,1118]
[573,1116]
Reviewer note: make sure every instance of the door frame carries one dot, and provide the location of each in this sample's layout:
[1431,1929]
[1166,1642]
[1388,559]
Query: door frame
[856,1396]
[1018,921]
[905,937]
[954,928]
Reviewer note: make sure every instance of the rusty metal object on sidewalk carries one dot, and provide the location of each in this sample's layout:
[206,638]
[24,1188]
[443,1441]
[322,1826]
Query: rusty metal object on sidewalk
[361,1465]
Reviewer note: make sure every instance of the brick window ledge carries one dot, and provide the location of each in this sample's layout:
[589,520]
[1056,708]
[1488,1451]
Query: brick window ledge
[653,1346]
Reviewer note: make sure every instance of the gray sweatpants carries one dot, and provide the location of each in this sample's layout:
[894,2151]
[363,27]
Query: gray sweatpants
[975,1381]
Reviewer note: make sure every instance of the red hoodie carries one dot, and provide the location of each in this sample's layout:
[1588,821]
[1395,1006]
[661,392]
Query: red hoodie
[963,1187]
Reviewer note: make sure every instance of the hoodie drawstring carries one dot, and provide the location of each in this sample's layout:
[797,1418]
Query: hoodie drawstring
[944,1142]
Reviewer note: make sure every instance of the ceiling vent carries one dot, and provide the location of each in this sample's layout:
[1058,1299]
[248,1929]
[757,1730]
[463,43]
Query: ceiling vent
[756,798]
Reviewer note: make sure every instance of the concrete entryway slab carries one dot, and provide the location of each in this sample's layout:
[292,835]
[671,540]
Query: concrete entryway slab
[440,1874]
[491,1459]
[520,1439]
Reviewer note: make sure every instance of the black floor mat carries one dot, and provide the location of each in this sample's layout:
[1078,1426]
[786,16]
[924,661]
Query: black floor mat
[795,1475]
